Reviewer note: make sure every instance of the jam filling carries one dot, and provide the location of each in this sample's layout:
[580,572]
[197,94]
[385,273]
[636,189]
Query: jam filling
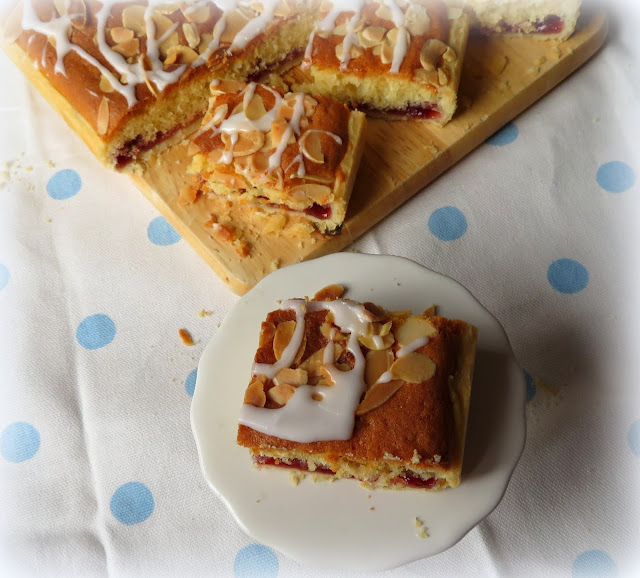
[427,111]
[317,211]
[407,479]
[261,71]
[552,24]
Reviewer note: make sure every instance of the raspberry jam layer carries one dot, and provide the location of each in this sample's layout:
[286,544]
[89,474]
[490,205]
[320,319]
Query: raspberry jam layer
[414,482]
[425,112]
[317,211]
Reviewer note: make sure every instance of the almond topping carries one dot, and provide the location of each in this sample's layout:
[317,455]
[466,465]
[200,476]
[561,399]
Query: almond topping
[317,193]
[254,395]
[190,32]
[235,22]
[386,53]
[377,313]
[412,329]
[78,14]
[105,85]
[198,13]
[454,12]
[327,376]
[103,116]
[384,12]
[430,311]
[291,376]
[224,86]
[309,104]
[255,109]
[354,52]
[248,143]
[120,34]
[377,342]
[317,397]
[283,335]
[313,363]
[128,48]
[168,8]
[180,55]
[443,77]
[133,18]
[377,395]
[311,147]
[416,20]
[282,393]
[413,368]
[329,293]
[431,52]
[371,36]
[377,362]
[267,332]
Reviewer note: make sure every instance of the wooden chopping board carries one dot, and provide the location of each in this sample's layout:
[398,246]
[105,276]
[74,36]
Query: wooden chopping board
[501,78]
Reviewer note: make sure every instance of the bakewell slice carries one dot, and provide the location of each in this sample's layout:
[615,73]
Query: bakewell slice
[284,152]
[130,76]
[349,390]
[393,59]
[543,19]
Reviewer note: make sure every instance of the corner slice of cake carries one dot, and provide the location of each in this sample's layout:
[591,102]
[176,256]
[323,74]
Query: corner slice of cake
[541,19]
[132,76]
[288,152]
[349,390]
[399,60]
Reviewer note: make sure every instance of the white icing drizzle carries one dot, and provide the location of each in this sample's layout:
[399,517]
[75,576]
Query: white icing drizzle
[299,158]
[303,419]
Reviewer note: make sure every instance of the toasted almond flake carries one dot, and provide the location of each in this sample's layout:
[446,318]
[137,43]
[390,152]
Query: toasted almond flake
[377,342]
[450,55]
[168,8]
[413,368]
[248,143]
[317,397]
[311,147]
[443,77]
[291,376]
[190,31]
[128,48]
[281,394]
[133,18]
[384,12]
[219,114]
[313,363]
[120,34]
[417,20]
[186,337]
[386,54]
[377,313]
[255,109]
[78,14]
[198,13]
[454,12]
[105,85]
[283,335]
[378,394]
[431,52]
[329,293]
[377,362]
[309,103]
[103,116]
[372,34]
[170,41]
[430,311]
[310,191]
[340,29]
[254,394]
[230,180]
[327,376]
[412,329]
[235,22]
[267,332]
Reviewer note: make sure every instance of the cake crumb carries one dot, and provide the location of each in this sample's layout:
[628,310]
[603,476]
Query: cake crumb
[47,220]
[51,164]
[296,477]
[417,522]
[388,456]
[257,501]
[371,509]
[437,458]
[541,60]
[186,337]
[204,313]
[416,457]
[423,533]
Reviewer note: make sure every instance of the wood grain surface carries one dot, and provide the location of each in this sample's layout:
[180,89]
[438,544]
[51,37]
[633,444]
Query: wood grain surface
[501,78]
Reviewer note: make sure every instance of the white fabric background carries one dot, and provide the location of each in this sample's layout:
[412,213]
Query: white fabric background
[120,413]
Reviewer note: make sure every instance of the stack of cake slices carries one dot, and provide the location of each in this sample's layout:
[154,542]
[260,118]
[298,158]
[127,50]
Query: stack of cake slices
[132,78]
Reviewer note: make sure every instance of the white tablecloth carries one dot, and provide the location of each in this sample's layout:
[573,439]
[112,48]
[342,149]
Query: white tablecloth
[99,471]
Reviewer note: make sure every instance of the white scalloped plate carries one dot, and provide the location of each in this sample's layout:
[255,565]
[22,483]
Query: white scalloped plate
[340,524]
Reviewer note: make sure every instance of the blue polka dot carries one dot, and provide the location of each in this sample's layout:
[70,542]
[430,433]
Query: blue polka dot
[448,223]
[190,383]
[256,560]
[96,331]
[595,564]
[633,437]
[615,177]
[20,441]
[530,385]
[4,276]
[567,276]
[160,232]
[64,184]
[132,503]
[506,135]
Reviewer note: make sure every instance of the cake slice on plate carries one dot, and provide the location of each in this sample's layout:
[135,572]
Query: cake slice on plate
[349,390]
[281,152]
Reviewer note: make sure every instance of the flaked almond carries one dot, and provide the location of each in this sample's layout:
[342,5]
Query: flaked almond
[355,51]
[377,362]
[197,12]
[329,293]
[205,41]
[313,363]
[430,311]
[259,163]
[311,146]
[377,395]
[291,376]
[60,6]
[300,353]
[285,112]
[431,52]
[218,86]
[309,104]
[311,191]
[376,313]
[102,123]
[120,34]
[412,329]
[167,8]
[282,337]
[248,143]
[340,29]
[190,31]
[429,77]
[274,223]
[328,380]
[371,36]
[413,367]
[281,394]
[377,342]
[401,313]
[254,109]
[279,128]
[133,17]
[386,52]
[128,48]
[384,12]
[77,14]
[384,329]
[267,332]
[235,22]
[105,85]
[169,42]
[219,114]
[416,20]
[285,9]
[443,77]
[450,55]
[254,394]
[315,396]
[257,7]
